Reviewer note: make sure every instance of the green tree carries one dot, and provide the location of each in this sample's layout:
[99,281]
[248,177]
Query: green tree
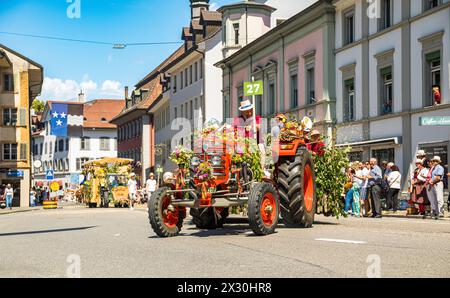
[330,180]
[38,105]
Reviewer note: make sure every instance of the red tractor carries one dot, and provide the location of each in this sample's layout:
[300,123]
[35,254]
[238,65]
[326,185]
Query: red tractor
[210,195]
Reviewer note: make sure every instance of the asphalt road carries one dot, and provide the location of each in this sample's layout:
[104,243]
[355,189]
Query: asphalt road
[120,243]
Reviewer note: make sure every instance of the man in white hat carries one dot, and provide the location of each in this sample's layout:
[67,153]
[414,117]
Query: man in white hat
[437,184]
[247,124]
[246,120]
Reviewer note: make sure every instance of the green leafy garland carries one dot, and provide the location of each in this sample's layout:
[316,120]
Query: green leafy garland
[330,181]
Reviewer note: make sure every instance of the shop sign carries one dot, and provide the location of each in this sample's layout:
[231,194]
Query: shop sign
[15,174]
[435,121]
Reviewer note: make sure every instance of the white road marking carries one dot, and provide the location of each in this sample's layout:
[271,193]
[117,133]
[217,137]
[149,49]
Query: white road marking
[341,241]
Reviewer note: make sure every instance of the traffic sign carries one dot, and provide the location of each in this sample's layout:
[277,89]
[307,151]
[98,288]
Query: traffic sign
[253,88]
[54,186]
[50,175]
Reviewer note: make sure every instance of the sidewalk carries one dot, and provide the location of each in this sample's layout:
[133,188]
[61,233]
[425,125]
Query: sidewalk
[402,214]
[18,210]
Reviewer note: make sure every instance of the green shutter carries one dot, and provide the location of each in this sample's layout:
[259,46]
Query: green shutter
[350,82]
[433,56]
[386,71]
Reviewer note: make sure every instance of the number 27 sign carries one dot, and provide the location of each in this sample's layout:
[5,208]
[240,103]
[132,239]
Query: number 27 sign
[253,88]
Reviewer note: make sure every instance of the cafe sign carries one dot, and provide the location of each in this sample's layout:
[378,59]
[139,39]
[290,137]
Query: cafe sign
[435,121]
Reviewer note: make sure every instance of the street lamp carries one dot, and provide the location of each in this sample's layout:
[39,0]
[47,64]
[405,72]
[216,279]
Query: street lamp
[119,46]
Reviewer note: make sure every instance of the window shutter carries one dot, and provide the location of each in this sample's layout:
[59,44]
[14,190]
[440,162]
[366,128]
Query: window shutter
[22,117]
[386,71]
[16,80]
[23,152]
[349,83]
[433,56]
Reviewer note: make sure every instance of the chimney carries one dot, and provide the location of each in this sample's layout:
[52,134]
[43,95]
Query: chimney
[126,92]
[81,97]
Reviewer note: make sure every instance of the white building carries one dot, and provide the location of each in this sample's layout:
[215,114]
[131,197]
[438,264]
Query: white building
[388,58]
[96,139]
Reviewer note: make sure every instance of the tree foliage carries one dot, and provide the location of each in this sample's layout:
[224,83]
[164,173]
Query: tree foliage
[38,105]
[330,180]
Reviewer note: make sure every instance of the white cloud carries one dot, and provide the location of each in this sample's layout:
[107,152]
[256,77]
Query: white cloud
[59,89]
[112,88]
[214,6]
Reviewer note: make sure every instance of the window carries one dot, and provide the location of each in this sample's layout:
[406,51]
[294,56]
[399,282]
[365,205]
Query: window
[46,150]
[9,151]
[294,91]
[349,101]
[429,4]
[175,112]
[201,68]
[387,91]
[85,143]
[259,105]
[81,162]
[174,86]
[61,145]
[433,79]
[41,149]
[240,95]
[8,82]
[272,98]
[196,71]
[9,117]
[182,111]
[190,75]
[310,85]
[186,112]
[236,33]
[104,144]
[349,27]
[386,14]
[384,155]
[355,156]
[181,80]
[191,110]
[186,77]
[67,144]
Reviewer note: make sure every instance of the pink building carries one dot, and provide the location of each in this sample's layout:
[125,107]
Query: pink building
[295,60]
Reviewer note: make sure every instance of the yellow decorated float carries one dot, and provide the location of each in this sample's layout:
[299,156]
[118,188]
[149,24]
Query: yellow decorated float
[106,182]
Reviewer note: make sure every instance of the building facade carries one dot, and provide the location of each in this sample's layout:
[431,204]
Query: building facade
[20,82]
[295,60]
[96,139]
[389,58]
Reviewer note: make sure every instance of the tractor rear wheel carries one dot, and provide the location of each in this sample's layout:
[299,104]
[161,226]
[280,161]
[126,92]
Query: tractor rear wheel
[209,218]
[165,219]
[263,209]
[297,189]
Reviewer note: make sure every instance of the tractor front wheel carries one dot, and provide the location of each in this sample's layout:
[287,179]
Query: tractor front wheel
[165,219]
[263,209]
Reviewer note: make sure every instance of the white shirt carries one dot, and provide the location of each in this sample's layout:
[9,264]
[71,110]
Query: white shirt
[394,180]
[423,175]
[365,172]
[132,186]
[360,182]
[9,192]
[151,185]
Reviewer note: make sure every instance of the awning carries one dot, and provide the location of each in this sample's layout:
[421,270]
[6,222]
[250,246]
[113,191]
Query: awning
[387,141]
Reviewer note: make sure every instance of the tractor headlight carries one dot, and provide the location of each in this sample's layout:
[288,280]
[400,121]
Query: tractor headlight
[195,161]
[216,161]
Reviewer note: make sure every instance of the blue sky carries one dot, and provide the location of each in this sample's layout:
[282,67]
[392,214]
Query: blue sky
[100,70]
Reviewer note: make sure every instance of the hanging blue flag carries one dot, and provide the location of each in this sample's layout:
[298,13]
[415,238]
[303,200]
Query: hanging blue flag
[59,119]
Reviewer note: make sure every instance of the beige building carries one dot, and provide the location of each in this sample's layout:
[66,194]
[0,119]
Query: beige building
[20,82]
